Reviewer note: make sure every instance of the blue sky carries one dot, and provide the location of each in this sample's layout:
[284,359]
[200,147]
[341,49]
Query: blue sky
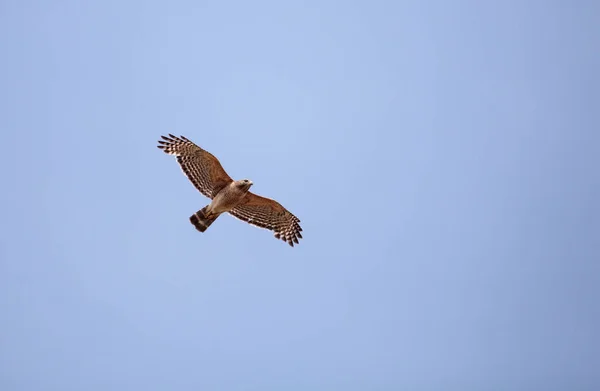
[443,158]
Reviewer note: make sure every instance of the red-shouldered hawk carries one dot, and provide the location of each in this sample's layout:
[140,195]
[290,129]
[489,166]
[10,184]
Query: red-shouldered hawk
[208,176]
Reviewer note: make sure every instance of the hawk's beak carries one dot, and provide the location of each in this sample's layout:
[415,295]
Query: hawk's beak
[250,183]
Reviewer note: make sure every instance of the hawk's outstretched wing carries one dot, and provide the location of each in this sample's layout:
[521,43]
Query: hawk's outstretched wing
[201,167]
[267,213]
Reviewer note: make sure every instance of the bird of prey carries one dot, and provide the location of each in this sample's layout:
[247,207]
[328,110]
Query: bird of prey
[208,176]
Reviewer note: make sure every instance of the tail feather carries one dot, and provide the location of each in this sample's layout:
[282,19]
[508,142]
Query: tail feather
[202,219]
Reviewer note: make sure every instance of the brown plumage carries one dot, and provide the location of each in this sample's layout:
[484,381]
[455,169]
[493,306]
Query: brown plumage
[202,220]
[208,176]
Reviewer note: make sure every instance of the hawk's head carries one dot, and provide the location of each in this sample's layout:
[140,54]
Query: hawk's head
[244,184]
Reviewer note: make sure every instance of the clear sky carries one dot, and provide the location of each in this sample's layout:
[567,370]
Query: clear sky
[443,158]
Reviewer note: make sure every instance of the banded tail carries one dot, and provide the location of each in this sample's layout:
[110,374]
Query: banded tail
[202,220]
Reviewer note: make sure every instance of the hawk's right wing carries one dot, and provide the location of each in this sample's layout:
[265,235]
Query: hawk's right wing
[202,168]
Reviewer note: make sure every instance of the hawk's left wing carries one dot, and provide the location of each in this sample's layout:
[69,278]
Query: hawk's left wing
[267,213]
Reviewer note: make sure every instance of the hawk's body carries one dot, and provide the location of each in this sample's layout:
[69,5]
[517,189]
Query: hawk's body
[234,197]
[225,200]
[230,196]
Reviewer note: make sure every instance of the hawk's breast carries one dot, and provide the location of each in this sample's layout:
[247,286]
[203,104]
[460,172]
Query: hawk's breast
[228,198]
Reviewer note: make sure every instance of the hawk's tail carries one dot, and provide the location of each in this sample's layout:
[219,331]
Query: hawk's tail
[202,219]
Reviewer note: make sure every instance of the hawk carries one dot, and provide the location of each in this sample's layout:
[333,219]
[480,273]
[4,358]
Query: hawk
[208,176]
